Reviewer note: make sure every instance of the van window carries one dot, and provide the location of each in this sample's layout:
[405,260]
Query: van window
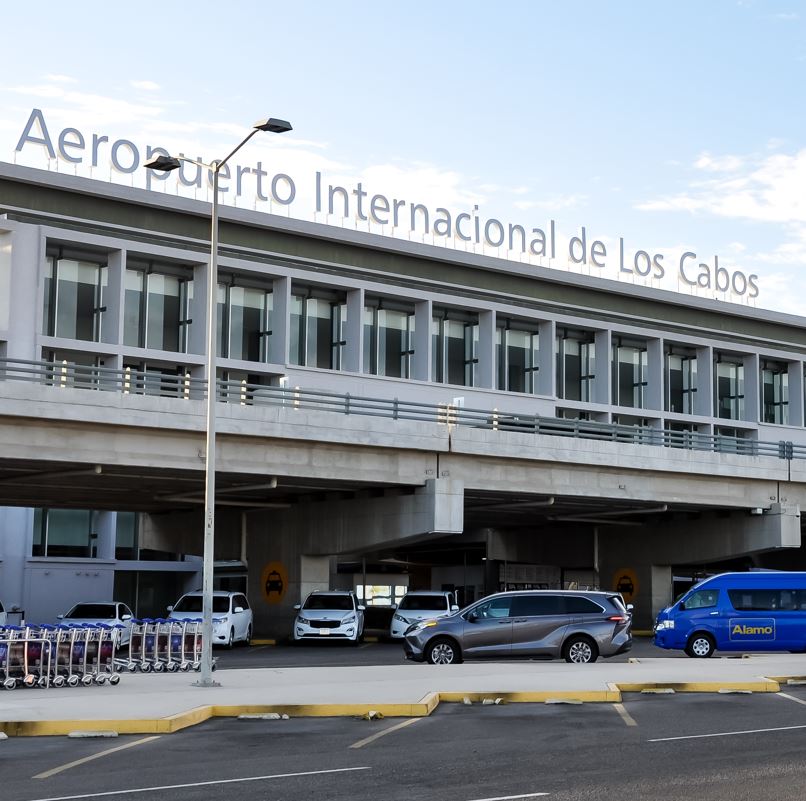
[240,600]
[581,606]
[702,599]
[534,605]
[767,600]
[497,607]
[424,603]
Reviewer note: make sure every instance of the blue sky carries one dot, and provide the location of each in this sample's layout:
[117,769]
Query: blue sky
[677,125]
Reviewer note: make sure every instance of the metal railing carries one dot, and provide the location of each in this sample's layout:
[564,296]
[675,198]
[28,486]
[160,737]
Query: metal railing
[185,387]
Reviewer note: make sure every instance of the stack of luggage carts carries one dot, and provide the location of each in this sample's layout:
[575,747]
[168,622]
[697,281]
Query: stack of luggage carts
[58,656]
[164,645]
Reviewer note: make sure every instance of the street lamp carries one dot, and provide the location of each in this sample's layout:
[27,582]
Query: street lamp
[166,164]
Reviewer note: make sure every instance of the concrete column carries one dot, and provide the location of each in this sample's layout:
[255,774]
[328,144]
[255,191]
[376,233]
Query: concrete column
[547,374]
[655,375]
[16,537]
[487,362]
[704,398]
[314,575]
[752,390]
[796,394]
[421,358]
[24,294]
[354,349]
[604,369]
[281,321]
[104,526]
[197,339]
[112,325]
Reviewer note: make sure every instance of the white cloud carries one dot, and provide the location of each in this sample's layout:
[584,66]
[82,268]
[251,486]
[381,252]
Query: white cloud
[60,78]
[147,86]
[552,204]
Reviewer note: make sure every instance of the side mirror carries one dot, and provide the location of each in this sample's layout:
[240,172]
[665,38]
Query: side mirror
[169,608]
[394,606]
[472,617]
[59,617]
[238,609]
[454,608]
[362,608]
[128,617]
[298,607]
[681,606]
[630,607]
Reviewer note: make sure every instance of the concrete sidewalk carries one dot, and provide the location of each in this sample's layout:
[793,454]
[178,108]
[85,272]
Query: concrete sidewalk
[169,702]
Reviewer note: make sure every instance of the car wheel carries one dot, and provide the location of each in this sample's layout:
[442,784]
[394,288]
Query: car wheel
[248,641]
[231,640]
[700,645]
[443,651]
[580,650]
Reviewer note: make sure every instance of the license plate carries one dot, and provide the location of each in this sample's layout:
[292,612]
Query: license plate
[324,631]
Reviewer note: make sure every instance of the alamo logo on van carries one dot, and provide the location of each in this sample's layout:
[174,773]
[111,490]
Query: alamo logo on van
[763,629]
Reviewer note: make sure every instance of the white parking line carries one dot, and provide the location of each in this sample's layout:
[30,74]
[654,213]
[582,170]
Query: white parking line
[724,734]
[200,784]
[375,736]
[53,771]
[791,698]
[625,715]
[511,797]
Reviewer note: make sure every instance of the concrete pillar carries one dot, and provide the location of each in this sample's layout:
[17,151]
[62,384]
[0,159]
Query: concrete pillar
[104,527]
[197,339]
[752,390]
[704,397]
[23,257]
[280,321]
[16,537]
[112,324]
[655,375]
[421,358]
[354,349]
[604,371]
[796,394]
[314,575]
[486,368]
[547,374]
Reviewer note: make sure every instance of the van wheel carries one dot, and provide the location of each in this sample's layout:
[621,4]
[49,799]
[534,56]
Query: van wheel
[231,640]
[580,650]
[443,651]
[701,645]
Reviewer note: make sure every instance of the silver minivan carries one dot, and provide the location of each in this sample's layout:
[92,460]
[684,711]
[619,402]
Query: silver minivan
[578,626]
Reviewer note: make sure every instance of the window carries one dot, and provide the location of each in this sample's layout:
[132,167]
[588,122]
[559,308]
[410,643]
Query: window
[536,605]
[342,603]
[629,373]
[63,532]
[729,398]
[415,603]
[240,600]
[702,599]
[144,378]
[249,315]
[681,379]
[576,362]
[126,535]
[454,348]
[318,331]
[76,370]
[75,294]
[156,309]
[767,600]
[494,608]
[774,393]
[581,606]
[518,360]
[388,341]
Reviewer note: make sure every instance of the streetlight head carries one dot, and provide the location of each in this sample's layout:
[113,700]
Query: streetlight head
[162,163]
[272,125]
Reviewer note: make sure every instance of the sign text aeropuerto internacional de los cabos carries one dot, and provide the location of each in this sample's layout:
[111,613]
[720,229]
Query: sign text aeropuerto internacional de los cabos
[73,147]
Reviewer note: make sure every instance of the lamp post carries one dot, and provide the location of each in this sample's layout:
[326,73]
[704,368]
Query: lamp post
[166,164]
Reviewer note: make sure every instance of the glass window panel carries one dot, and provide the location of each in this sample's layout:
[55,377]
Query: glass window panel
[775,394]
[370,341]
[221,314]
[455,351]
[296,353]
[730,390]
[132,309]
[68,532]
[163,312]
[437,350]
[47,319]
[247,316]
[392,343]
[77,296]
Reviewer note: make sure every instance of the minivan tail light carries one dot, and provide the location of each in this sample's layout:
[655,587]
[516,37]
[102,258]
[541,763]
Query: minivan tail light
[617,618]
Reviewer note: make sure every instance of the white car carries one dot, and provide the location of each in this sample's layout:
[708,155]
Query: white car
[3,616]
[232,615]
[329,616]
[110,613]
[419,605]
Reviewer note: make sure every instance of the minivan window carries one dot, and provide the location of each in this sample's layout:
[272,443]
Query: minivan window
[767,600]
[240,600]
[417,603]
[702,599]
[193,603]
[536,605]
[104,611]
[342,603]
[496,607]
[581,606]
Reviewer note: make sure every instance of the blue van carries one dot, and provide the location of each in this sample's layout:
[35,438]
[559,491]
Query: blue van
[757,611]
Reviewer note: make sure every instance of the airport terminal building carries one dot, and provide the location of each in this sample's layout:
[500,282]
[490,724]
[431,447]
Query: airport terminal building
[391,415]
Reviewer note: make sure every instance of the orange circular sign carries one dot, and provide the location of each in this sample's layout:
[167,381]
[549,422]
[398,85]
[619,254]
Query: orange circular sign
[274,582]
[625,581]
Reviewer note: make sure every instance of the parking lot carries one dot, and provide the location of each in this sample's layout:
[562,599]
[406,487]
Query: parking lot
[664,748]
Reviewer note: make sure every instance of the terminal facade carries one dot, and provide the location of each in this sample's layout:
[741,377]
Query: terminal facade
[392,415]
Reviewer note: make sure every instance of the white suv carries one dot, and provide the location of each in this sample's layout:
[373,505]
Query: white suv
[329,616]
[419,605]
[232,616]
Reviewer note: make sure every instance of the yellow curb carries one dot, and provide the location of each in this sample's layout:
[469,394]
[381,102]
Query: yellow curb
[763,686]
[371,639]
[643,633]
[586,696]
[253,641]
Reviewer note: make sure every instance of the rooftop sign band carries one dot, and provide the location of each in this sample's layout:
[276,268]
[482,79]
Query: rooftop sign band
[123,156]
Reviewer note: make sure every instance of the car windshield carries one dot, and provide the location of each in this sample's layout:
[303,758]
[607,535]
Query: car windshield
[193,603]
[418,603]
[342,603]
[98,611]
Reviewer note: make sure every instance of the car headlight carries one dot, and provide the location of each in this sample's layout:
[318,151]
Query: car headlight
[303,620]
[348,619]
[423,624]
[400,619]
[664,624]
